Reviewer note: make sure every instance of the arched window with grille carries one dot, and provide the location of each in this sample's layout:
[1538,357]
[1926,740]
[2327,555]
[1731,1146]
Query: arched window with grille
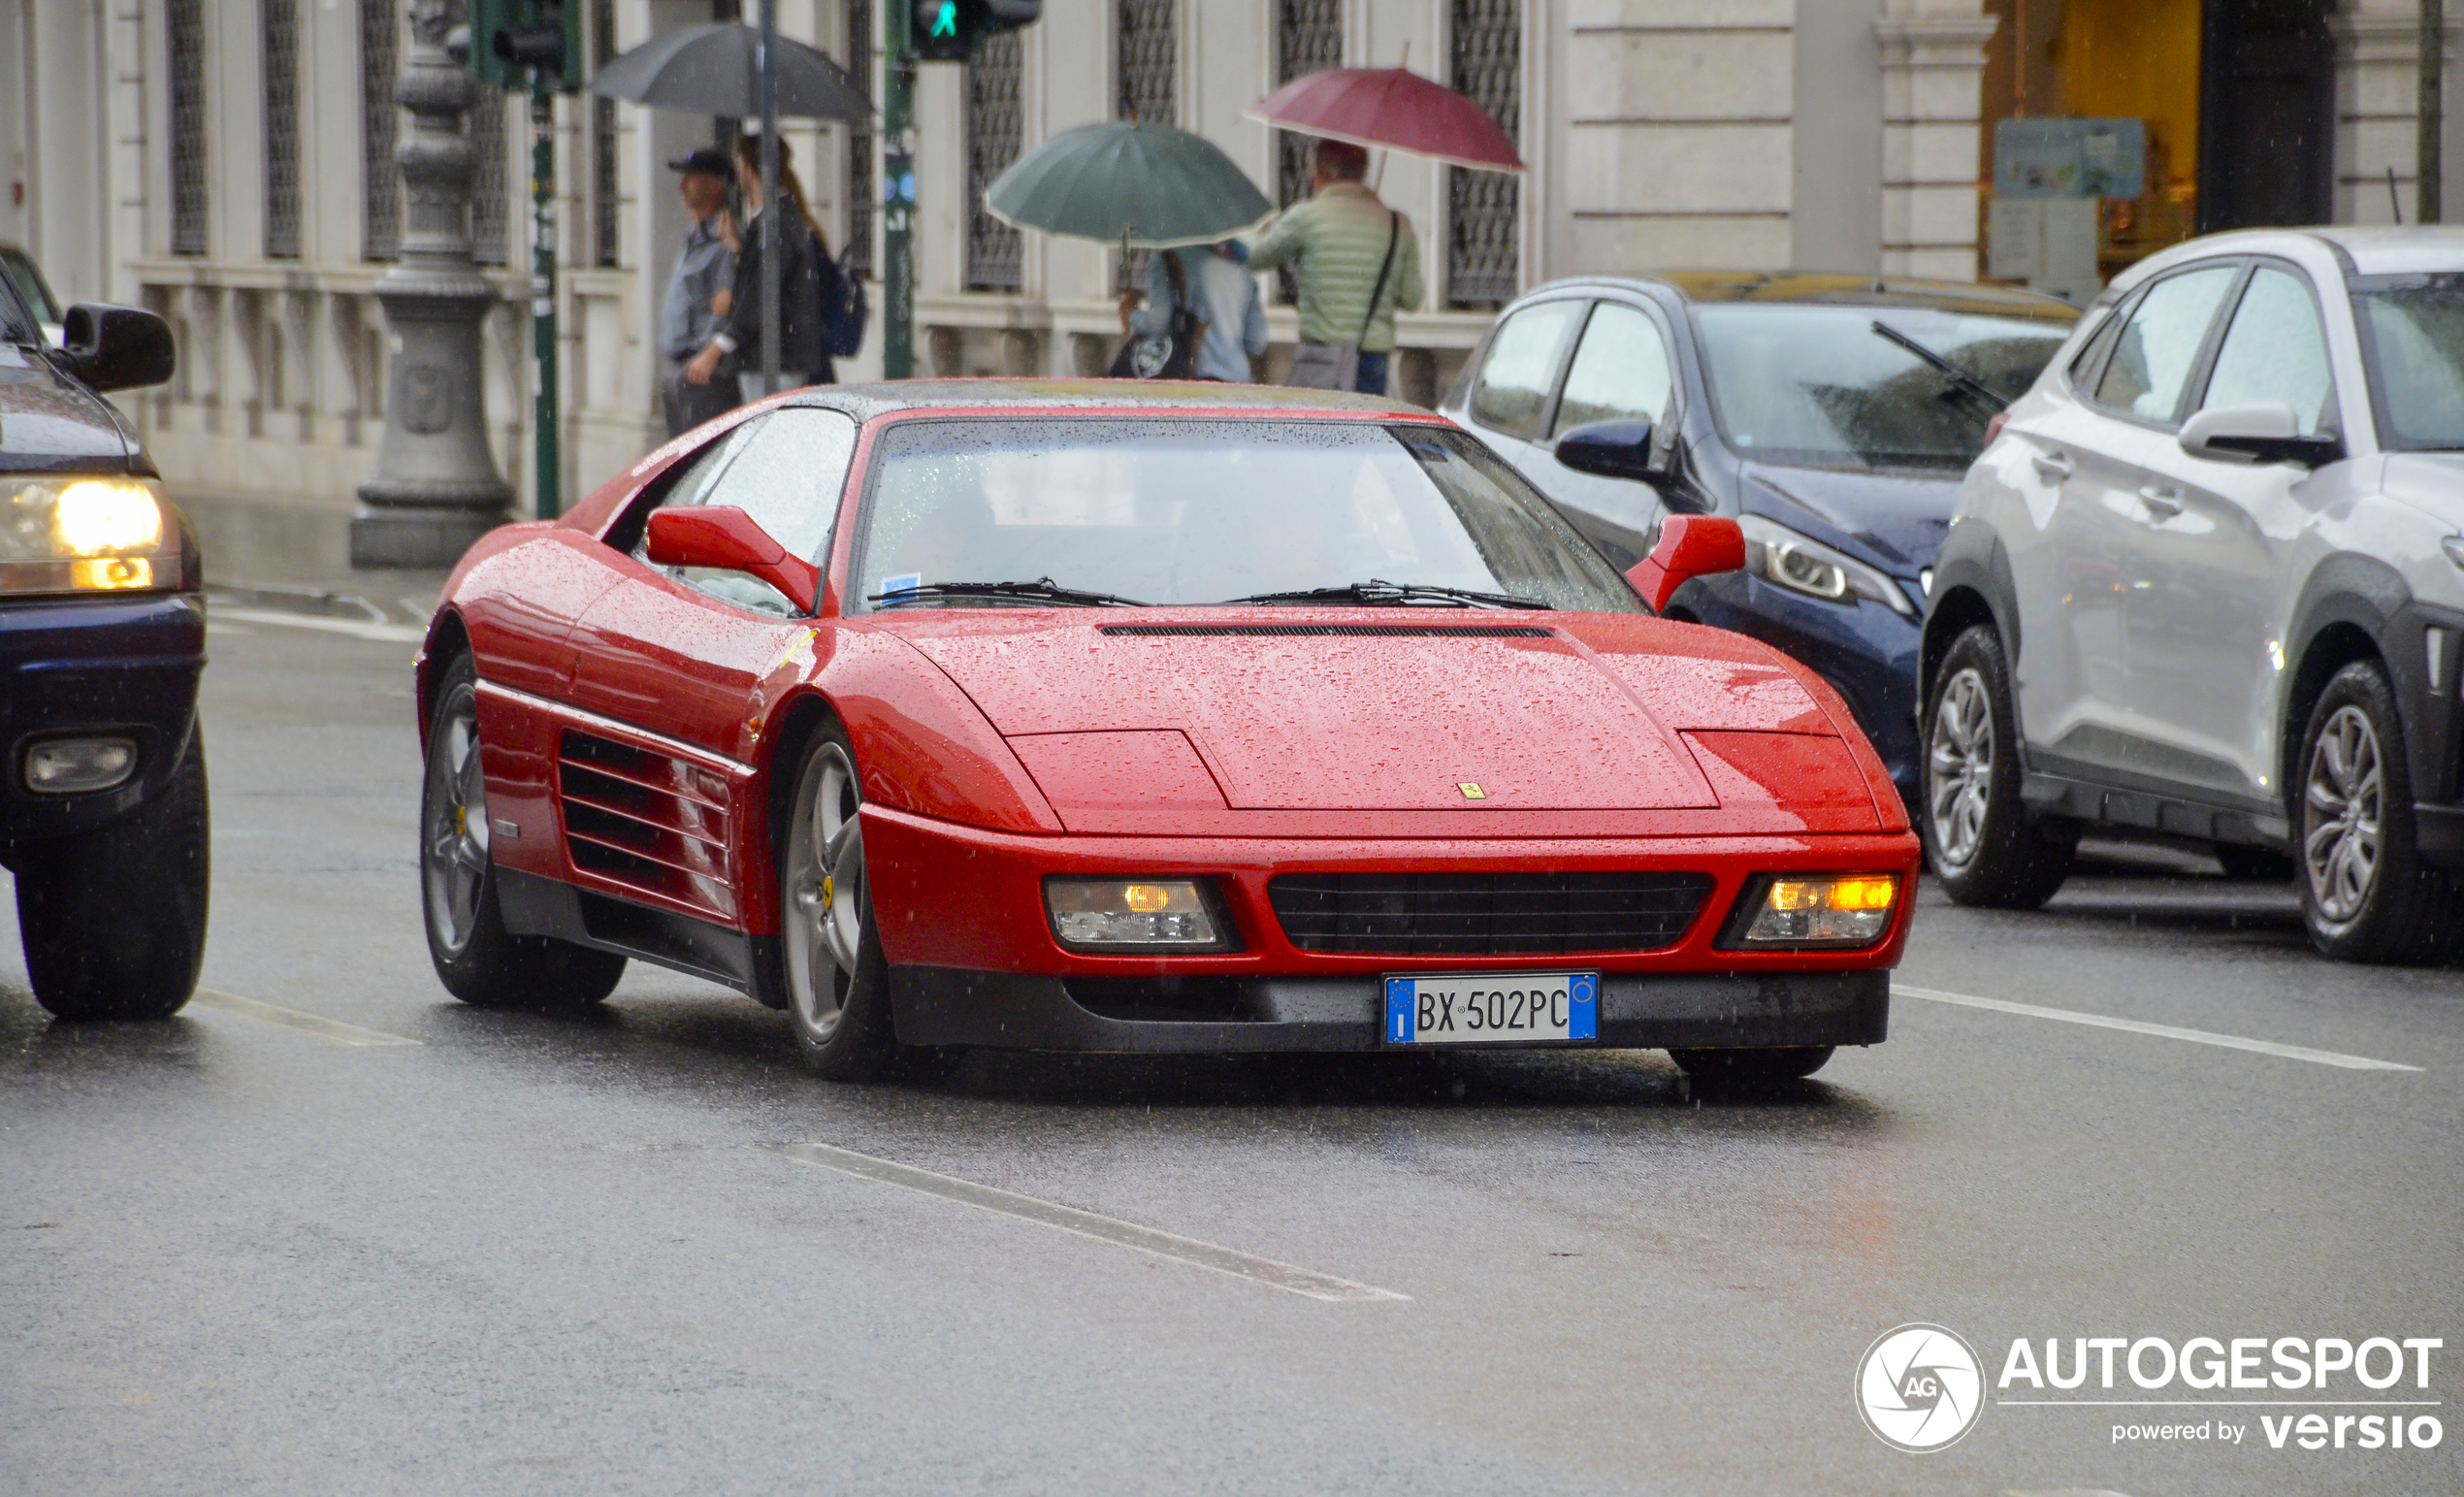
[381,209]
[860,143]
[996,126]
[1146,78]
[606,232]
[1483,208]
[1309,37]
[187,27]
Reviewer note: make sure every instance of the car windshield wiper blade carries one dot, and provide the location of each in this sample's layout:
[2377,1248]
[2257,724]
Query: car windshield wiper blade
[1377,593]
[1950,371]
[1041,590]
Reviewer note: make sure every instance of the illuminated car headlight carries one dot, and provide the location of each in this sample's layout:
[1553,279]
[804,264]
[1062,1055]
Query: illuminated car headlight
[1806,911]
[1804,565]
[1095,915]
[65,534]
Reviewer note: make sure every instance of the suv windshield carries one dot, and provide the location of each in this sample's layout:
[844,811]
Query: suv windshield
[2412,340]
[1818,387]
[1194,512]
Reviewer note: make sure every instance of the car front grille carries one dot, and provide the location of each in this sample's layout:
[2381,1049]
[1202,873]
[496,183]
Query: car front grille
[1485,913]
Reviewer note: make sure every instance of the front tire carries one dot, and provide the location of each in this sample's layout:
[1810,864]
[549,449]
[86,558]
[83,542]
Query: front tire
[2366,893]
[114,918]
[1986,850]
[477,959]
[833,971]
[1752,1067]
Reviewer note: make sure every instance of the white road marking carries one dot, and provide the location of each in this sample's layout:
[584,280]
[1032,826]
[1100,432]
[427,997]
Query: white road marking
[1086,1223]
[2160,1030]
[358,628]
[318,1024]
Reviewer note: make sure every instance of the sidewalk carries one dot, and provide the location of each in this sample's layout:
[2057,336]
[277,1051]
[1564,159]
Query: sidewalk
[293,556]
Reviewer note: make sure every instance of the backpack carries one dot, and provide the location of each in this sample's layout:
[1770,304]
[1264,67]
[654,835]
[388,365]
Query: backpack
[843,310]
[1173,353]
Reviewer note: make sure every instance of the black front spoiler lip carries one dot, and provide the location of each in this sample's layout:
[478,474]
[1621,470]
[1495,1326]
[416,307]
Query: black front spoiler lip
[1013,1011]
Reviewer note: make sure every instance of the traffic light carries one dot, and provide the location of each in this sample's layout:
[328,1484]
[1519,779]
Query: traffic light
[948,30]
[510,38]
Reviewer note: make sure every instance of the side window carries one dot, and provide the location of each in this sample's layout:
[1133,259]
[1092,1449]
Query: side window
[1514,378]
[2092,353]
[1620,370]
[2159,344]
[786,469]
[2275,350]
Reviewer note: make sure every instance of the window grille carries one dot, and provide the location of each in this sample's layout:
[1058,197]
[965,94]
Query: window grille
[489,189]
[279,20]
[1146,78]
[1482,265]
[996,125]
[187,32]
[1309,37]
[606,237]
[381,210]
[860,193]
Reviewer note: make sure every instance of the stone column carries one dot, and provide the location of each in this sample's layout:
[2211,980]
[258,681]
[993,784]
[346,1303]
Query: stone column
[2377,110]
[436,488]
[1932,77]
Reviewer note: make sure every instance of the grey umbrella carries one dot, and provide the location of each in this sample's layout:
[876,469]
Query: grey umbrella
[1141,185]
[716,70]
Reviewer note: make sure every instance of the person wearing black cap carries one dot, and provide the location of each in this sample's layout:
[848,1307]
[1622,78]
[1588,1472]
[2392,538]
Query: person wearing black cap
[698,292]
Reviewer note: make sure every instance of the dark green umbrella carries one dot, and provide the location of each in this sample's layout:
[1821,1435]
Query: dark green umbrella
[1139,185]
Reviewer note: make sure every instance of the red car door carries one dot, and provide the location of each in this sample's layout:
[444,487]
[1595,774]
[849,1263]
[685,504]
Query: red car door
[679,655]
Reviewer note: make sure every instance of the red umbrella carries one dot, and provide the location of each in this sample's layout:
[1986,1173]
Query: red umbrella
[1390,108]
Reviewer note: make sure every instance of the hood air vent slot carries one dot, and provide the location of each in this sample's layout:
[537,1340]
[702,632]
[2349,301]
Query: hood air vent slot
[1327,631]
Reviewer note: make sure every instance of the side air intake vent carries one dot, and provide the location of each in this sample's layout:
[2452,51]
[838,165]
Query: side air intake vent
[1329,630]
[1485,913]
[646,820]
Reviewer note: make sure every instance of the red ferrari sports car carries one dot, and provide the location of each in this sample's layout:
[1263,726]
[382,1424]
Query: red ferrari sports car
[1123,717]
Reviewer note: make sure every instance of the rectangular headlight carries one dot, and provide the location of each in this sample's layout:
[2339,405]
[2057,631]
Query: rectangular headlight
[1097,914]
[1803,911]
[68,534]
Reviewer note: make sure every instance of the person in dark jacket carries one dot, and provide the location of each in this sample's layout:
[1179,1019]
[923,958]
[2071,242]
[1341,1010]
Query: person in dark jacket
[809,283]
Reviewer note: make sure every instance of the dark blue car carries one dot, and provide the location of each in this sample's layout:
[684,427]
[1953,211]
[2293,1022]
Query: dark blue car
[102,637]
[1832,416]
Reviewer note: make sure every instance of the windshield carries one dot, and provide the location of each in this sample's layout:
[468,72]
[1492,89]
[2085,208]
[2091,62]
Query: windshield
[2413,338]
[1818,387]
[30,285]
[1188,513]
[17,324]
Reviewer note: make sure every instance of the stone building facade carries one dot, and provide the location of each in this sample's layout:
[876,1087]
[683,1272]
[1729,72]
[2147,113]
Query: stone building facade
[229,164]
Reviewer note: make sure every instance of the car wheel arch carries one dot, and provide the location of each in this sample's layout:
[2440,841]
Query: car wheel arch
[1972,585]
[2346,612]
[448,638]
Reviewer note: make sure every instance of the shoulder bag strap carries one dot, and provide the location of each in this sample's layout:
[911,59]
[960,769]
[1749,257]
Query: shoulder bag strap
[1394,228]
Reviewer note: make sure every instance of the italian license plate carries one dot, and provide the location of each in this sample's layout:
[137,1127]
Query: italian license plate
[1493,1008]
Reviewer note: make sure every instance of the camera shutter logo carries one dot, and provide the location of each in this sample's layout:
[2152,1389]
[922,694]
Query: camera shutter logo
[1920,1387]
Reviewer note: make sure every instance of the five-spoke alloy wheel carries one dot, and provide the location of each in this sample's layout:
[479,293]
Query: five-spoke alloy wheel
[836,982]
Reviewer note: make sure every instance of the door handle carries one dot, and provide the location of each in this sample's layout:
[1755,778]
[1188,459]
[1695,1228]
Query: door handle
[2163,503]
[2053,464]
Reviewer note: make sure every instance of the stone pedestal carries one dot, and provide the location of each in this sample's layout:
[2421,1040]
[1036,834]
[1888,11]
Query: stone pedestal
[436,488]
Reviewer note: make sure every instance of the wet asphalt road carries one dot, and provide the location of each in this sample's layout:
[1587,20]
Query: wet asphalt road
[528,1253]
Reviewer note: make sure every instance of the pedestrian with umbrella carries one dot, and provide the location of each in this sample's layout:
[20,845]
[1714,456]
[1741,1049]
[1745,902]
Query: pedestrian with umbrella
[1358,261]
[808,285]
[737,71]
[698,291]
[1146,186]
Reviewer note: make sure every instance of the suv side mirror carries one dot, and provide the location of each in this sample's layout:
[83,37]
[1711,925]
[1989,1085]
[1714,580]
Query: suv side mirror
[1690,545]
[2259,432]
[726,539]
[117,347]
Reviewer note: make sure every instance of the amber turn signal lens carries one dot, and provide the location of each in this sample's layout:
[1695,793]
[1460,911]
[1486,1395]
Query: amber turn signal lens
[1114,915]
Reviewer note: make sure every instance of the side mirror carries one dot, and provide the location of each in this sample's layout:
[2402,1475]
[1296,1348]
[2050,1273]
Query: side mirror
[726,539]
[1609,449]
[117,347]
[1690,545]
[2259,432]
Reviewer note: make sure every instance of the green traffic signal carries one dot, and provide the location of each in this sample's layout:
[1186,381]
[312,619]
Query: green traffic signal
[949,30]
[946,23]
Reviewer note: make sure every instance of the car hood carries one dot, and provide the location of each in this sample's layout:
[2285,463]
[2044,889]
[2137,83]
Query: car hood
[1894,521]
[1364,710]
[49,424]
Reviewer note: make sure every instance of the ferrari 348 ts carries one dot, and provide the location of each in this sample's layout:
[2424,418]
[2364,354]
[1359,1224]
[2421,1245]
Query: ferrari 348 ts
[1134,717]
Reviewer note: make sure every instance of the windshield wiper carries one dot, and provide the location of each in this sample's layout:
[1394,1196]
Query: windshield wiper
[1950,371]
[1377,593]
[1041,590]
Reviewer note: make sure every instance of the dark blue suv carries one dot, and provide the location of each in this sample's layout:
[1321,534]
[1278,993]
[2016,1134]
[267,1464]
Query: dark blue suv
[102,637]
[1832,416]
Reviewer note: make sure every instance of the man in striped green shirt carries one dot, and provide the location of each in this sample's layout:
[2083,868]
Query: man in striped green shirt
[1335,241]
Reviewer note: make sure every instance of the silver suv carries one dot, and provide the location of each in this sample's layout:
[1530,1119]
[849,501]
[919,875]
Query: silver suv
[2207,580]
